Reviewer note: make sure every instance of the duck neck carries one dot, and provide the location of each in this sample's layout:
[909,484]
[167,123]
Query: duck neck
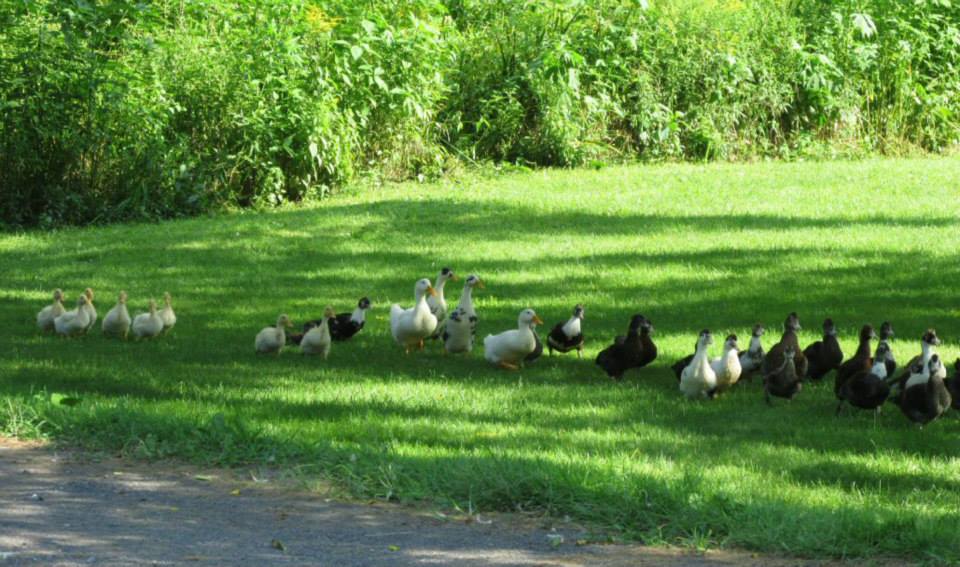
[441,282]
[864,348]
[755,345]
[572,327]
[927,353]
[359,315]
[700,357]
[879,368]
[466,300]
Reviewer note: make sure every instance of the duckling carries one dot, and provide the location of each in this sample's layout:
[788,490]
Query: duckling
[148,325]
[783,381]
[509,348]
[91,310]
[727,367]
[117,321]
[317,340]
[861,361]
[826,355]
[626,352]
[270,340]
[925,396]
[886,333]
[437,302]
[73,322]
[567,336]
[953,385]
[752,358]
[867,389]
[460,331]
[410,327]
[773,360]
[698,379]
[46,315]
[166,314]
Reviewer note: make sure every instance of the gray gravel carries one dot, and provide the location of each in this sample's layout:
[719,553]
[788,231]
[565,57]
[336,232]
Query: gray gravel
[66,509]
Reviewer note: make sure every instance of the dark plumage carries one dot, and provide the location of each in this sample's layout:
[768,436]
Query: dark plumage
[953,385]
[886,333]
[925,401]
[626,352]
[859,362]
[782,381]
[684,362]
[343,326]
[559,340]
[866,389]
[773,360]
[537,350]
[824,355]
[649,353]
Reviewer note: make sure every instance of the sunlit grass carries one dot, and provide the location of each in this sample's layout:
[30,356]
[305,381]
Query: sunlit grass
[719,246]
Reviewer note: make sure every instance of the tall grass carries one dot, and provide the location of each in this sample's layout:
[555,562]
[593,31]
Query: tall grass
[112,110]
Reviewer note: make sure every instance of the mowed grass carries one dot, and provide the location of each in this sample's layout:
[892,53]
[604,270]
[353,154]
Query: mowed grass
[690,247]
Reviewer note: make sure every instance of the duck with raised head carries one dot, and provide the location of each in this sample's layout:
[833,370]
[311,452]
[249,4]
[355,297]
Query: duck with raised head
[117,321]
[953,385]
[460,331]
[727,367]
[566,336]
[167,314]
[148,325]
[886,335]
[861,361]
[649,352]
[342,326]
[47,315]
[698,379]
[626,352]
[783,381]
[925,396]
[91,310]
[73,322]
[510,348]
[410,327]
[316,341]
[928,348]
[824,355]
[270,340]
[773,360]
[437,302]
[752,358]
[867,389]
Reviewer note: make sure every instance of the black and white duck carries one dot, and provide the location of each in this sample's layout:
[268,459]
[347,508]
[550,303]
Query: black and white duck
[569,335]
[342,326]
[824,355]
[886,335]
[924,397]
[460,331]
[867,389]
[928,348]
[752,358]
[626,352]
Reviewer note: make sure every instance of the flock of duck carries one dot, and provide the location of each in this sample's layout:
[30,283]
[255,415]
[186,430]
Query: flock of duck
[866,380]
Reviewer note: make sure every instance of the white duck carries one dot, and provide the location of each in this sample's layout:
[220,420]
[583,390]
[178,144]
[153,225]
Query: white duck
[460,329]
[91,310]
[727,367]
[410,327]
[148,325]
[509,348]
[698,379]
[73,322]
[317,340]
[437,302]
[167,314]
[117,320]
[46,315]
[271,339]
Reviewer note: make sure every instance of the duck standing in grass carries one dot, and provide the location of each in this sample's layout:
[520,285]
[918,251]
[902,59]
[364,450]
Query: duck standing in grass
[344,326]
[437,302]
[148,325]
[727,367]
[91,310]
[697,379]
[460,331]
[861,361]
[924,397]
[752,358]
[270,340]
[410,327]
[867,389]
[928,349]
[117,321]
[318,339]
[509,348]
[47,315]
[886,334]
[167,315]
[73,322]
[568,336]
[779,376]
[627,351]
[824,355]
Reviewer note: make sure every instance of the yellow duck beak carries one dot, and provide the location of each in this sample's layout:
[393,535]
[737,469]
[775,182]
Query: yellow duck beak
[537,320]
[480,284]
[454,278]
[431,291]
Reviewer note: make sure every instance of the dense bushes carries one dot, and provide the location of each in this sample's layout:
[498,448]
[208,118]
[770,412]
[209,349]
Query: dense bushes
[112,110]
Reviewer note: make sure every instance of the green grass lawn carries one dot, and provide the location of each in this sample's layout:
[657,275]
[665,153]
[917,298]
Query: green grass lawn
[716,246]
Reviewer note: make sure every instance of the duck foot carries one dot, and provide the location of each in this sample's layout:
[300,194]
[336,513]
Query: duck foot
[507,366]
